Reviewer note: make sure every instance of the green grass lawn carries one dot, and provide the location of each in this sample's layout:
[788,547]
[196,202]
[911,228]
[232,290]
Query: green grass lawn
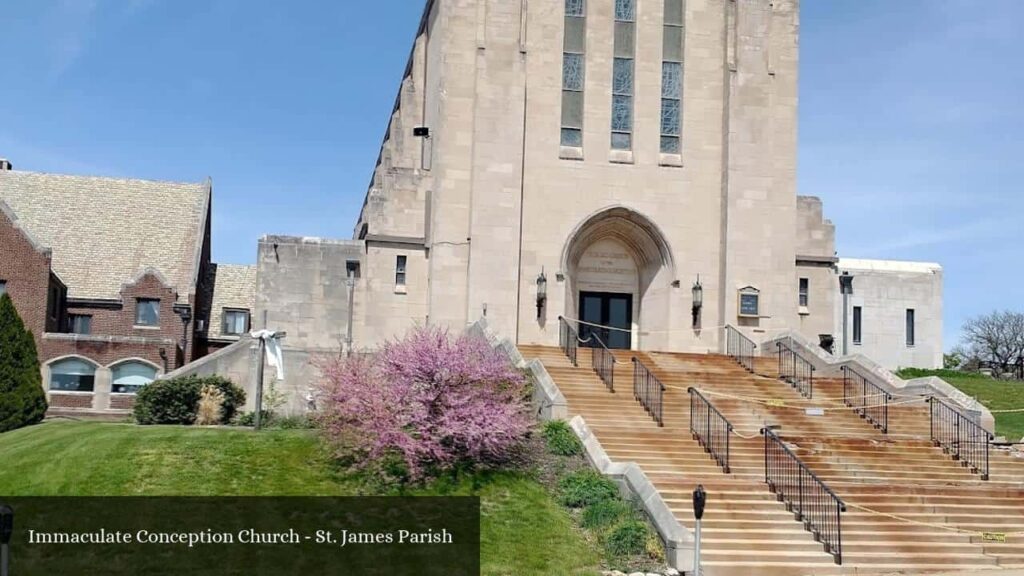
[523,530]
[994,394]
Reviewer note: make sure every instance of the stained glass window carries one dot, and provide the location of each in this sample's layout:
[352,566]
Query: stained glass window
[625,10]
[572,72]
[575,7]
[622,113]
[622,76]
[669,117]
[672,77]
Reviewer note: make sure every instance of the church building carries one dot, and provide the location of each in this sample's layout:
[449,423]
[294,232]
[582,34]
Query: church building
[628,165]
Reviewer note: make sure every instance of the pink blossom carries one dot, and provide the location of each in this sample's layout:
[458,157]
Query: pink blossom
[431,400]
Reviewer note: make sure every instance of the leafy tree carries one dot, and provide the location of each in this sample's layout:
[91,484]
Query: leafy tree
[22,400]
[996,339]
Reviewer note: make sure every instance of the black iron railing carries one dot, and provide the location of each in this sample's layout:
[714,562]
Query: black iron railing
[811,500]
[960,437]
[603,362]
[648,390]
[796,370]
[866,398]
[568,339]
[739,347]
[710,428]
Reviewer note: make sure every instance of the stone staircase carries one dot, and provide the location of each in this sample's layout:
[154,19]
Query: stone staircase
[746,530]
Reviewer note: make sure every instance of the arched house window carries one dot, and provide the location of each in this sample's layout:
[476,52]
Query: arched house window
[72,375]
[129,377]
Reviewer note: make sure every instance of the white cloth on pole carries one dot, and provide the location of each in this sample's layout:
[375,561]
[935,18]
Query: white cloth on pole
[273,346]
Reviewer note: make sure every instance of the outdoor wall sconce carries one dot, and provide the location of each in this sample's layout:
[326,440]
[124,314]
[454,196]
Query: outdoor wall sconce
[542,291]
[698,301]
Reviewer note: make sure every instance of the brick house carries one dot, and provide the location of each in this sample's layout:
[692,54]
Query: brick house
[113,277]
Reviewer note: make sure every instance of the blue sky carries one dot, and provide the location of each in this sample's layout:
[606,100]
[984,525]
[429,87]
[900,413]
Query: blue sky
[911,120]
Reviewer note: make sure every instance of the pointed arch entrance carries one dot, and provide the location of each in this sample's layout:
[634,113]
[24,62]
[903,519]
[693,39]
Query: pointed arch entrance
[619,270]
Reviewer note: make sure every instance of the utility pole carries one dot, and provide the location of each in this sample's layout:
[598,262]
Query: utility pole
[263,336]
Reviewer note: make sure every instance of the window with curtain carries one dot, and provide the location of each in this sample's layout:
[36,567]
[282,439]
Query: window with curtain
[80,323]
[236,321]
[672,77]
[573,72]
[622,75]
[72,375]
[147,312]
[130,377]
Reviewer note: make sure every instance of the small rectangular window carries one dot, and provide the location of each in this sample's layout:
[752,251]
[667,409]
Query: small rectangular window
[857,325]
[80,323]
[147,312]
[400,271]
[3,287]
[804,285]
[235,322]
[910,326]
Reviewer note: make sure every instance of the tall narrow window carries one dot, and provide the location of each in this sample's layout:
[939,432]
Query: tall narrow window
[910,326]
[573,68]
[804,286]
[857,327]
[622,75]
[400,272]
[3,287]
[672,77]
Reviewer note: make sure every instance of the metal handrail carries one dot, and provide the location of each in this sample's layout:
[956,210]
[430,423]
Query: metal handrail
[960,436]
[710,428]
[872,404]
[568,339]
[739,347]
[603,362]
[796,370]
[648,390]
[807,496]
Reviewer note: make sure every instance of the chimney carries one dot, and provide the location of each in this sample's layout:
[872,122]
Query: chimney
[5,164]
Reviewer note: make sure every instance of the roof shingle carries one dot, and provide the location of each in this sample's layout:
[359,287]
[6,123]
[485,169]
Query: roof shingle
[105,231]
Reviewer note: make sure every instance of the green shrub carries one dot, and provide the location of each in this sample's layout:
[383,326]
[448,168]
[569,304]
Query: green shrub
[561,439]
[586,487]
[606,513]
[627,539]
[22,400]
[176,401]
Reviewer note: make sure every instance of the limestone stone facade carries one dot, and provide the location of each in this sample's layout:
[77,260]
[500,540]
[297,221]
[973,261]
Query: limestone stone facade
[474,198]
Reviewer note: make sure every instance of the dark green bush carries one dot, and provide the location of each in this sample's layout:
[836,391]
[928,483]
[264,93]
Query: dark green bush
[586,487]
[627,539]
[22,400]
[176,401]
[606,513]
[561,439]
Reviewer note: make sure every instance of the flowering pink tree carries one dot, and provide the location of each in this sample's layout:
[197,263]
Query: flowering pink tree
[431,400]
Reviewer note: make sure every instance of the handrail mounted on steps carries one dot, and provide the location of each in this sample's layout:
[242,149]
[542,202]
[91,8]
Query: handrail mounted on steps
[796,370]
[568,339]
[648,390]
[710,428]
[867,399]
[807,496]
[739,347]
[603,362]
[959,436]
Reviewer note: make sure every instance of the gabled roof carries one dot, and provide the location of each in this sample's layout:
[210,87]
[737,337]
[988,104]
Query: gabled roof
[234,286]
[103,232]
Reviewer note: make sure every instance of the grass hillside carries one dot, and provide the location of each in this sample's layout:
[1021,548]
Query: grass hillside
[994,394]
[523,530]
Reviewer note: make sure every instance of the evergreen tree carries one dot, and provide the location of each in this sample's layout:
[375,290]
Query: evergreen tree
[22,401]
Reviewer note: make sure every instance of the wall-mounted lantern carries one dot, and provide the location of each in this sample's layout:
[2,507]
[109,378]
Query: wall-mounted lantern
[542,292]
[698,301]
